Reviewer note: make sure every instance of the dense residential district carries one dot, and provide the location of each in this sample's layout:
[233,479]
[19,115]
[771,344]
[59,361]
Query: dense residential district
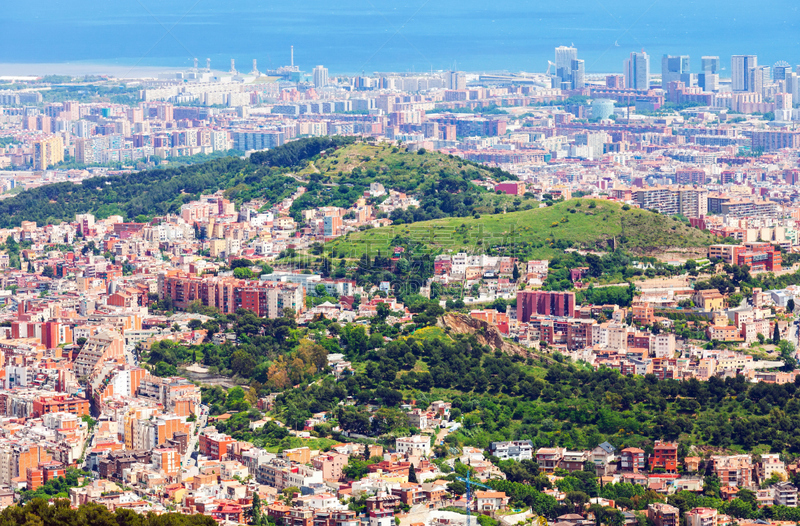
[425,299]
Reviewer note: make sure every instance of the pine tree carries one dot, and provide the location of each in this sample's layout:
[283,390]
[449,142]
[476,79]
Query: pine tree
[776,335]
[412,474]
[256,509]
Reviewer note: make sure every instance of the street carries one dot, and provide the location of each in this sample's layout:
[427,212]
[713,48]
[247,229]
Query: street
[189,463]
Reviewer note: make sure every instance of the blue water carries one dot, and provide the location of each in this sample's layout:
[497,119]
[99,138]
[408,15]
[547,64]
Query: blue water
[350,36]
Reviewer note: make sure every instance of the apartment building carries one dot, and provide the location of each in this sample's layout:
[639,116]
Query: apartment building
[213,444]
[97,350]
[549,458]
[702,517]
[771,464]
[785,494]
[543,302]
[48,152]
[665,456]
[632,459]
[660,198]
[733,470]
[266,299]
[416,445]
[513,450]
[662,514]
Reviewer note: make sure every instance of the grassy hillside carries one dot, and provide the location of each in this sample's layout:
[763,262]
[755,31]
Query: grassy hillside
[442,182]
[539,233]
[368,161]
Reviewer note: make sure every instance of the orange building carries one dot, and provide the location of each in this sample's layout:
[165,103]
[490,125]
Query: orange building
[183,407]
[59,404]
[26,457]
[103,388]
[34,478]
[214,445]
[167,459]
[301,455]
[167,425]
[665,455]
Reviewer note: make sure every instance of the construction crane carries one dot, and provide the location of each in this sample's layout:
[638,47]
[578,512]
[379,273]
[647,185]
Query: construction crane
[469,483]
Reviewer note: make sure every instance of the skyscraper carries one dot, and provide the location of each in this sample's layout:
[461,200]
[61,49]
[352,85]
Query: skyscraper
[320,77]
[578,74]
[637,71]
[708,81]
[672,67]
[709,64]
[564,57]
[456,80]
[793,85]
[780,70]
[761,76]
[47,152]
[742,67]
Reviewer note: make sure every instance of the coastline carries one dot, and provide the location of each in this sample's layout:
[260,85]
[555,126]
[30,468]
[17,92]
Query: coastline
[10,69]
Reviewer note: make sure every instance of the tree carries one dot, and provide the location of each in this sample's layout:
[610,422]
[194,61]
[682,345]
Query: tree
[776,335]
[383,310]
[243,363]
[242,273]
[739,508]
[734,300]
[355,468]
[288,494]
[48,272]
[355,338]
[711,486]
[164,369]
[746,495]
[790,305]
[515,273]
[578,499]
[457,487]
[786,350]
[256,509]
[412,474]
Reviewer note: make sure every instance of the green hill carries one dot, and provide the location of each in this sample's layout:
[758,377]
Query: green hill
[541,233]
[336,171]
[443,183]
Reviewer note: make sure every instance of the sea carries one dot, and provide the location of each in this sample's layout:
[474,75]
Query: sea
[365,36]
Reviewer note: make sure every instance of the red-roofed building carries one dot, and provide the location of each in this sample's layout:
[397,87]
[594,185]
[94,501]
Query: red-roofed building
[228,512]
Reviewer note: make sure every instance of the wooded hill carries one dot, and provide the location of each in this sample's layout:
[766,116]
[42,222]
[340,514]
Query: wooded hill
[335,170]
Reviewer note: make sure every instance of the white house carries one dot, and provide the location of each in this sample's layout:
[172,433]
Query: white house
[417,445]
